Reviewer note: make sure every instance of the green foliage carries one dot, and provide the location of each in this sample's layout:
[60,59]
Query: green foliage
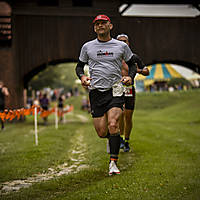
[55,76]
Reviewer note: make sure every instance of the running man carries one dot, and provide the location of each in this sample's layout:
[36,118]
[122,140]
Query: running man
[3,93]
[104,56]
[126,117]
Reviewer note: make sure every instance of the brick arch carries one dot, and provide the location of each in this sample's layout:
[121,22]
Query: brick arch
[43,34]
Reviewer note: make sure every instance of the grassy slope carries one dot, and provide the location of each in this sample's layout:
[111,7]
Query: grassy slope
[164,163]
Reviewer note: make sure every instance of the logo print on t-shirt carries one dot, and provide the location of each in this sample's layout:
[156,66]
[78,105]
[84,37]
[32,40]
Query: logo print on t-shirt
[101,53]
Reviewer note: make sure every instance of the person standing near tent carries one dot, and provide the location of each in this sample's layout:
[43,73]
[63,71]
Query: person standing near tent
[3,93]
[126,117]
[104,56]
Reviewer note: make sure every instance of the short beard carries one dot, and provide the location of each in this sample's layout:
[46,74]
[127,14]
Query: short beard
[104,34]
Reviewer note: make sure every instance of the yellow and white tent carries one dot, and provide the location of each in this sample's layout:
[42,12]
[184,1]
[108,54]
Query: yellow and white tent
[159,72]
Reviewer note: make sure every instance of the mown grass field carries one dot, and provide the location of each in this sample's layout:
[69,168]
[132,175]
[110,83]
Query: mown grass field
[164,163]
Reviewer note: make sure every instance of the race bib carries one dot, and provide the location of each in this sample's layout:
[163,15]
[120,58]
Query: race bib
[129,91]
[118,89]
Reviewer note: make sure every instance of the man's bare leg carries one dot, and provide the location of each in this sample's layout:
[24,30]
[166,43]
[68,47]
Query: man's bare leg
[101,125]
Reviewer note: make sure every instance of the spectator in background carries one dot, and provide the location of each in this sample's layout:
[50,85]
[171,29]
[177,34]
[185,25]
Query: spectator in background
[53,97]
[29,102]
[76,92]
[3,93]
[84,103]
[61,100]
[44,103]
[36,102]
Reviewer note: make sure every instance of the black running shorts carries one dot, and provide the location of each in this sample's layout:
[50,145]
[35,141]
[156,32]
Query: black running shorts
[130,100]
[101,102]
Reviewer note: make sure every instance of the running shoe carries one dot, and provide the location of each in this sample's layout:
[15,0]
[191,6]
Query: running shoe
[122,142]
[126,147]
[113,168]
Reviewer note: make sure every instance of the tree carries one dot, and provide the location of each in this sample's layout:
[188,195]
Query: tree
[55,76]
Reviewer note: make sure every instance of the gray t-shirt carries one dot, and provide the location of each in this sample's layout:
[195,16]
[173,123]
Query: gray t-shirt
[105,61]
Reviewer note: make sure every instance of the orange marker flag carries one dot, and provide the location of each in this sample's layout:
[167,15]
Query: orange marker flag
[33,109]
[71,108]
[18,114]
[12,116]
[27,111]
[53,110]
[2,116]
[44,113]
[8,115]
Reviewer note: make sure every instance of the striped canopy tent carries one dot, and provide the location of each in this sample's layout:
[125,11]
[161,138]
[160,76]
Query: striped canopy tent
[158,72]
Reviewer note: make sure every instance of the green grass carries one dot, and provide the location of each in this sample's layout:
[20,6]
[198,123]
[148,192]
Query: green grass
[164,163]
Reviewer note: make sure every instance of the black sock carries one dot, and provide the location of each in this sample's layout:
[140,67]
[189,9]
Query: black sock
[114,142]
[126,139]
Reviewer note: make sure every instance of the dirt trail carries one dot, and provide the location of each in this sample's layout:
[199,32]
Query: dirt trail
[76,155]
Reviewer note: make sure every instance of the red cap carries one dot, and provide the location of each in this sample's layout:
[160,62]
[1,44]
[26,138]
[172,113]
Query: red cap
[101,17]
